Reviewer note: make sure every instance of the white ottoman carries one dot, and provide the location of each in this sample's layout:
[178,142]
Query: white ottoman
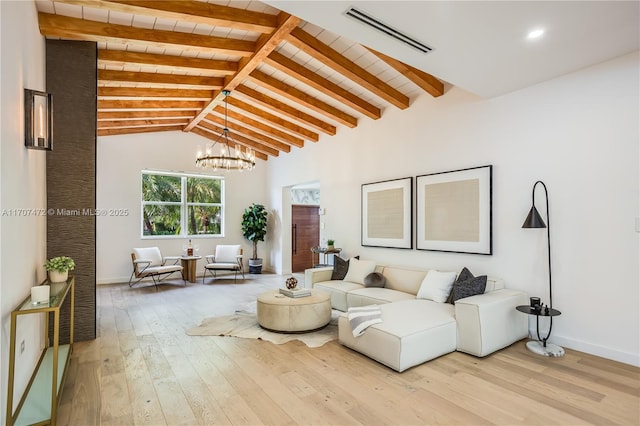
[277,312]
[411,332]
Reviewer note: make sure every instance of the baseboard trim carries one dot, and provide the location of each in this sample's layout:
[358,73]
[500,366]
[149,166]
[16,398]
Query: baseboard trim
[597,350]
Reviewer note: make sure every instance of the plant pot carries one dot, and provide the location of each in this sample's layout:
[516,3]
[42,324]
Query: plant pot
[255,266]
[58,277]
[330,248]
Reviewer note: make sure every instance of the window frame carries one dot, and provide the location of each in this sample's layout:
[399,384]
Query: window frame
[184,205]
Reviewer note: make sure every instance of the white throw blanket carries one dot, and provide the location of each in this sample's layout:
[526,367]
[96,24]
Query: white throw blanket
[362,317]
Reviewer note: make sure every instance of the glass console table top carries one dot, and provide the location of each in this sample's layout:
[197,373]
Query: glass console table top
[57,292]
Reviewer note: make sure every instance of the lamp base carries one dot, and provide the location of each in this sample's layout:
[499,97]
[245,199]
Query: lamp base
[550,350]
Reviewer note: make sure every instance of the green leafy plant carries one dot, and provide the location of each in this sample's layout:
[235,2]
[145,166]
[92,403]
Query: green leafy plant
[254,225]
[330,242]
[60,264]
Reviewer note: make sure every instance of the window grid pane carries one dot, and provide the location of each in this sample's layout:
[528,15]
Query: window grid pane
[181,205]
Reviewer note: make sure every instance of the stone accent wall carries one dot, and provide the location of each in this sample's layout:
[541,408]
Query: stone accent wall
[71,174]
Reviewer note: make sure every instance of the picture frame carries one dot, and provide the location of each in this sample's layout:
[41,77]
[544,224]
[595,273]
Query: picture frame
[454,211]
[387,214]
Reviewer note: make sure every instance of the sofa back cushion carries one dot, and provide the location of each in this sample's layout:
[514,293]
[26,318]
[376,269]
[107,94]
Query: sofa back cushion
[403,279]
[494,284]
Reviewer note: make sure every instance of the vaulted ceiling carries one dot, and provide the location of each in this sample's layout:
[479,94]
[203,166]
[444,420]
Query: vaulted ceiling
[165,65]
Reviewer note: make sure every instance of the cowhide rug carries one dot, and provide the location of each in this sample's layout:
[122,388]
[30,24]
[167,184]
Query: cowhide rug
[245,325]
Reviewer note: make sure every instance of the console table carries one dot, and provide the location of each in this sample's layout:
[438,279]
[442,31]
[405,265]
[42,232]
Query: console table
[541,346]
[39,403]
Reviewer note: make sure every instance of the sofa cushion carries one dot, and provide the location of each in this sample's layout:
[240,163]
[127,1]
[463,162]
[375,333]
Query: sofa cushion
[358,270]
[375,295]
[467,285]
[374,279]
[411,332]
[436,286]
[403,279]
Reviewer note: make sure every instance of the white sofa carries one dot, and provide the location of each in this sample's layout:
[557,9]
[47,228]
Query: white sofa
[414,330]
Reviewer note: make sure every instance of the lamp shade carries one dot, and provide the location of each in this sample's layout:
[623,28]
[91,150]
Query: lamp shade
[534,220]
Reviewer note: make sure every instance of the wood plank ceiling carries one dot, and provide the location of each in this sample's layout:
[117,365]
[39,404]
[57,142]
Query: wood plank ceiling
[163,66]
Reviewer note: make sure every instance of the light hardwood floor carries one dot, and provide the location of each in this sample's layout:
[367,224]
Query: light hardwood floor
[144,369]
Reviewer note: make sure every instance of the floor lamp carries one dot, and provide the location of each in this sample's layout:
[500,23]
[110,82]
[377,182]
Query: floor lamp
[534,220]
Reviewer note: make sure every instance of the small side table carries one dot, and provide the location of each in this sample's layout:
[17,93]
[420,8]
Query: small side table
[325,252]
[189,267]
[540,346]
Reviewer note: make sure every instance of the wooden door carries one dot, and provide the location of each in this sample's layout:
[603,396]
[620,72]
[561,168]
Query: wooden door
[305,233]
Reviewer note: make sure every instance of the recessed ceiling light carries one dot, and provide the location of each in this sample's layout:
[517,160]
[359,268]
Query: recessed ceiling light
[537,33]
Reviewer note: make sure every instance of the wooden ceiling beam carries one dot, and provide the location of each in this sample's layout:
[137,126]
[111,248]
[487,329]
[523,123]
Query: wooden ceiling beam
[325,86]
[236,129]
[147,105]
[426,81]
[156,78]
[145,92]
[265,45]
[190,11]
[325,54]
[211,131]
[260,126]
[170,62]
[79,29]
[111,132]
[274,120]
[302,98]
[287,110]
[120,124]
[135,115]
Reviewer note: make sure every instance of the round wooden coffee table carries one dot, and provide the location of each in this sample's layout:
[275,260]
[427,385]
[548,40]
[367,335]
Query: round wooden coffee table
[277,312]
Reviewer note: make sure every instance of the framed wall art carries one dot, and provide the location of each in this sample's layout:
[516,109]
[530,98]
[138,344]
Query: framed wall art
[387,209]
[453,211]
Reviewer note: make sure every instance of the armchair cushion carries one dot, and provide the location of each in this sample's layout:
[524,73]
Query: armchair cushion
[152,254]
[227,254]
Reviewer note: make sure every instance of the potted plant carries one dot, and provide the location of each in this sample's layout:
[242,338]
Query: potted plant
[330,245]
[254,229]
[59,268]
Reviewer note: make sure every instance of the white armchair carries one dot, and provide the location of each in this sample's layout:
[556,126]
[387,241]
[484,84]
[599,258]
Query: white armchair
[227,258]
[148,262]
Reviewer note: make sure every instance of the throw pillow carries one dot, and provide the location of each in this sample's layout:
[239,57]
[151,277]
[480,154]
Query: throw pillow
[436,286]
[340,268]
[467,285]
[358,270]
[374,279]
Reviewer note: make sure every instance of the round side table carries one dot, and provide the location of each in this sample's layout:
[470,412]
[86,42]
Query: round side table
[541,346]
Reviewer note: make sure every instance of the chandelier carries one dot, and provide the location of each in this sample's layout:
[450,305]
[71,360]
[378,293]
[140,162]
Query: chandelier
[241,160]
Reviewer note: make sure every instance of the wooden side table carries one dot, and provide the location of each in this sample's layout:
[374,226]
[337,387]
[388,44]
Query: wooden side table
[541,346]
[189,267]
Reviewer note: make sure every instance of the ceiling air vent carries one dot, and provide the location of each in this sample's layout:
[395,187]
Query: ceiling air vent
[376,24]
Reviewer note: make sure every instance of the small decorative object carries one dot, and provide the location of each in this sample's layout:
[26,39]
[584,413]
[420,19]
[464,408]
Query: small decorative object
[291,283]
[40,294]
[59,268]
[330,244]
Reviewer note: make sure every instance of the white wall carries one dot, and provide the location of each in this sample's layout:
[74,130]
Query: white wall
[121,160]
[23,186]
[578,133]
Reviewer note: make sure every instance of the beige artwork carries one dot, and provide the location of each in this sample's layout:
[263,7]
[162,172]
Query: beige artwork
[385,214]
[452,211]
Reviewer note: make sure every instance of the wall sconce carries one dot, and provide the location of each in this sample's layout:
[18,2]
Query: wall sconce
[38,120]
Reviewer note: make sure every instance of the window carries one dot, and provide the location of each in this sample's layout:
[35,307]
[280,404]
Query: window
[181,205]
